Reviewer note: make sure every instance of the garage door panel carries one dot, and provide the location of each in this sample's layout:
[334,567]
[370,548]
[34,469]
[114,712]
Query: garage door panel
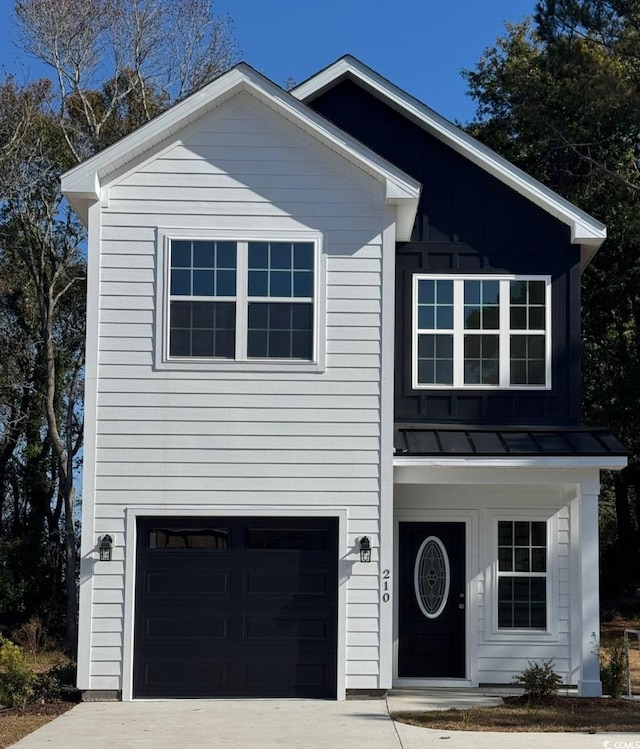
[169,629]
[236,607]
[270,674]
[297,583]
[195,672]
[184,584]
[264,629]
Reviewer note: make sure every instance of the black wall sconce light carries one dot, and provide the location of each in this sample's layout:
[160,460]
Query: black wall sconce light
[365,549]
[106,548]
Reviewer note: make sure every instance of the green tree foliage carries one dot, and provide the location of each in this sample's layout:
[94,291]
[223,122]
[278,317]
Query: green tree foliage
[114,66]
[560,97]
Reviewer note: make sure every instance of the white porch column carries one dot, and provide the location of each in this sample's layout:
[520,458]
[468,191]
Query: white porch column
[586,602]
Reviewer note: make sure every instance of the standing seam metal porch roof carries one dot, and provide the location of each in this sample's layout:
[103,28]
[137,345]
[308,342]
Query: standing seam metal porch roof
[480,442]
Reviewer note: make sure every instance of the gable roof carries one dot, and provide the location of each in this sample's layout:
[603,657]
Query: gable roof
[585,230]
[83,184]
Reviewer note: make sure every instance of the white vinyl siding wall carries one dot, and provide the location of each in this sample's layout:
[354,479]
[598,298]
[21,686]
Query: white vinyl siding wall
[196,439]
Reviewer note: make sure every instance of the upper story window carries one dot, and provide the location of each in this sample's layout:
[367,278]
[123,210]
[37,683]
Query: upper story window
[481,332]
[242,300]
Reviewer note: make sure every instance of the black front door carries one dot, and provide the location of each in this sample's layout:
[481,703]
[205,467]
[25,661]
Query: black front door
[431,616]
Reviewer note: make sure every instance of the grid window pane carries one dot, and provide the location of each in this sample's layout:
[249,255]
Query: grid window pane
[202,329]
[258,283]
[180,282]
[281,256]
[435,359]
[303,256]
[527,360]
[204,255]
[258,255]
[226,255]
[180,254]
[280,283]
[281,269]
[426,316]
[279,330]
[481,305]
[203,282]
[435,304]
[481,359]
[522,597]
[203,268]
[527,305]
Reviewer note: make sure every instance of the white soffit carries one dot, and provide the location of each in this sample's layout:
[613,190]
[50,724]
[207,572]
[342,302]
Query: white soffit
[585,230]
[83,184]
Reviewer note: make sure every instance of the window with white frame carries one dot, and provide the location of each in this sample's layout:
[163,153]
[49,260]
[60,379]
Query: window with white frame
[242,300]
[522,574]
[481,332]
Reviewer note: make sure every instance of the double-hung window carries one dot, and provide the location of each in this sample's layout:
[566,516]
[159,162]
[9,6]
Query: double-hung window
[481,332]
[241,300]
[522,574]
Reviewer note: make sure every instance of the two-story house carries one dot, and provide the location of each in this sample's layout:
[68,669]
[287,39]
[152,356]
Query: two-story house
[318,322]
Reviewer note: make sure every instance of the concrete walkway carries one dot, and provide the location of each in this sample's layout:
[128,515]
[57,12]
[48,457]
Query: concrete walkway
[267,724]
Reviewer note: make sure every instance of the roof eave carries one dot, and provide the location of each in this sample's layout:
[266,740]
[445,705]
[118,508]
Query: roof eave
[586,231]
[83,183]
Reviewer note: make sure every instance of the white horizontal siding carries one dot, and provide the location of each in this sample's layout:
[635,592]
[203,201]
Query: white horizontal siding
[214,441]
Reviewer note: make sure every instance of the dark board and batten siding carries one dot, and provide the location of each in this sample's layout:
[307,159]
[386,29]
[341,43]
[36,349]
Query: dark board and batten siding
[469,222]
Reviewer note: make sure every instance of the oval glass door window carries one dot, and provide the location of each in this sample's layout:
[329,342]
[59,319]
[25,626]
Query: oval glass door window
[431,577]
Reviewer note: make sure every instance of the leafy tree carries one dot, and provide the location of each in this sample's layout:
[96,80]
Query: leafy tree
[560,96]
[115,65]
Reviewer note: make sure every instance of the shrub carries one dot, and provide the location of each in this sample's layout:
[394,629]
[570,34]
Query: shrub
[613,670]
[57,683]
[32,635]
[16,678]
[539,680]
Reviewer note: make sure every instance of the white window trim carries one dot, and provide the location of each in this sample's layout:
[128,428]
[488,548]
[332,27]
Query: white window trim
[458,331]
[525,634]
[242,237]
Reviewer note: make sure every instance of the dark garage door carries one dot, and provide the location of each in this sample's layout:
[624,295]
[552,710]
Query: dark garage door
[231,607]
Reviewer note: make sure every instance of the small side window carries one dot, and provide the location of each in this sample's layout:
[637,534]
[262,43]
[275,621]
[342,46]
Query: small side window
[522,574]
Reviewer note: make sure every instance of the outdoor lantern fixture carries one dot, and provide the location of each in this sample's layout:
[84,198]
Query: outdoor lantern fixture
[106,547]
[365,549]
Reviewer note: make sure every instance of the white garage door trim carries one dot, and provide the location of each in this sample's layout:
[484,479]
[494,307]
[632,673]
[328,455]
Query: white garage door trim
[133,513]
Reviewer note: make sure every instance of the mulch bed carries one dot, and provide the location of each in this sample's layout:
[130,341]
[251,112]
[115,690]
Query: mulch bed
[579,714]
[46,708]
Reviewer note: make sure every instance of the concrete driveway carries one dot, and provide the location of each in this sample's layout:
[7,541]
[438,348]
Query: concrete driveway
[267,724]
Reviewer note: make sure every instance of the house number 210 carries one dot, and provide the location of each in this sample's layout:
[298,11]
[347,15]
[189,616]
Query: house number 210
[385,585]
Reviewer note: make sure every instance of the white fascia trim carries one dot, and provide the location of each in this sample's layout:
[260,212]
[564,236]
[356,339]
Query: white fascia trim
[85,181]
[585,230]
[603,462]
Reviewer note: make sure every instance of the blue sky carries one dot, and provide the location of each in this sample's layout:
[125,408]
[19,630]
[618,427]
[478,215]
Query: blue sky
[420,45]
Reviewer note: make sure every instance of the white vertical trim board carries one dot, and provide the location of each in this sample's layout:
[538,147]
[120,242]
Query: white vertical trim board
[89,541]
[385,678]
